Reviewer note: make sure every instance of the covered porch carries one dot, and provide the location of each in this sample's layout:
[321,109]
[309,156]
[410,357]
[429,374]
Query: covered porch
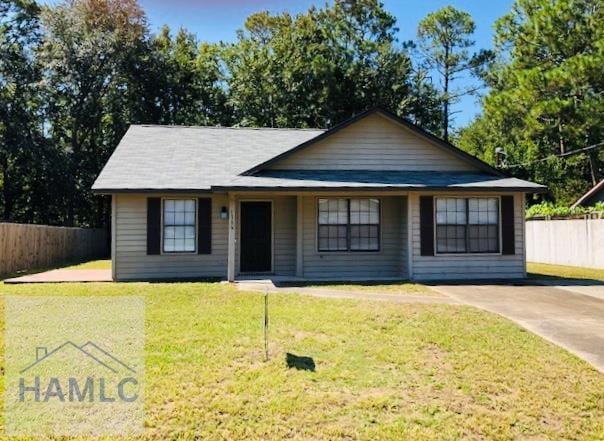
[279,235]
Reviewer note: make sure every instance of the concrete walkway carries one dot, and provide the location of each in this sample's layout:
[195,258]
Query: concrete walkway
[577,286]
[64,275]
[569,319]
[345,294]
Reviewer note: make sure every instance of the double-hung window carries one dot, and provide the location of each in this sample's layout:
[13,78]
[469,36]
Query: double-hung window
[467,225]
[179,225]
[346,224]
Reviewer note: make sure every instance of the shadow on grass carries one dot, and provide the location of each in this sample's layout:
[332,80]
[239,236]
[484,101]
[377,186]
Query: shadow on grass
[531,280]
[311,283]
[31,271]
[564,281]
[300,363]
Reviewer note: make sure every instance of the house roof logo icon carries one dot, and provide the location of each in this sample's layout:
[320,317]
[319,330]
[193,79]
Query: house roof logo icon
[89,349]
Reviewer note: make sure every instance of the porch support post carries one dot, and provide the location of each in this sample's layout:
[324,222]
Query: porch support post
[113,237]
[409,236]
[232,238]
[299,236]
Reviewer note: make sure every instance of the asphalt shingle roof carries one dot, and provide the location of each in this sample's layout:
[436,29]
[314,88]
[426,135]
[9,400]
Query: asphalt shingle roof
[288,179]
[172,158]
[191,158]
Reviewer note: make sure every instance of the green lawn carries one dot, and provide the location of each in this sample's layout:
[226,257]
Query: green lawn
[569,272]
[403,288]
[383,371]
[92,265]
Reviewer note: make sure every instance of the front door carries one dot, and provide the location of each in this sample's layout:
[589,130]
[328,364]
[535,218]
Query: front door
[256,228]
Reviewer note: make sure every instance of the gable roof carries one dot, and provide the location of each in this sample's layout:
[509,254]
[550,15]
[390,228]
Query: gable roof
[190,158]
[592,192]
[444,145]
[164,159]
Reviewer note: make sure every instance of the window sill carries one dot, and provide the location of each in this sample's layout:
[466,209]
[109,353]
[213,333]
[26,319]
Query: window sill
[349,253]
[467,254]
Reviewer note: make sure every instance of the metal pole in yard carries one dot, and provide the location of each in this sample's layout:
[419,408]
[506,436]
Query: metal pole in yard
[266,324]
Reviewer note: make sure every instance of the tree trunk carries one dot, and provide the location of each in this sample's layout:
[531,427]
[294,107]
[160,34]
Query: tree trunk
[446,97]
[593,165]
[7,202]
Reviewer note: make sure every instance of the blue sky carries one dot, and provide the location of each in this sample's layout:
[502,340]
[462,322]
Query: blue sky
[215,20]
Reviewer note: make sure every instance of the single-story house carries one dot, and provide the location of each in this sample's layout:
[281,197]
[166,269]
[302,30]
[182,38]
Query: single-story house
[375,197]
[593,196]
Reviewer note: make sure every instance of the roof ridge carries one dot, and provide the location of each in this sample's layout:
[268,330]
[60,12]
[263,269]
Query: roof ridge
[175,126]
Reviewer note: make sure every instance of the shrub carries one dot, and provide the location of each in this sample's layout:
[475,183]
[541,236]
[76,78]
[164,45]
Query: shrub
[548,209]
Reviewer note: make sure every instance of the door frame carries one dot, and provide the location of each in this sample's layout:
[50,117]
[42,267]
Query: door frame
[240,217]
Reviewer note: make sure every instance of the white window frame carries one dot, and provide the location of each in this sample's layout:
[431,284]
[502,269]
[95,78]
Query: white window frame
[179,198]
[461,255]
[380,225]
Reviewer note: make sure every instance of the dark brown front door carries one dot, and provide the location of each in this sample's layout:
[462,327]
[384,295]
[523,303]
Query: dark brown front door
[256,247]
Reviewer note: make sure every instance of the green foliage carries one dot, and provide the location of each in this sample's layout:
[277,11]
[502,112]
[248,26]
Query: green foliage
[548,209]
[444,39]
[546,94]
[27,189]
[75,74]
[318,68]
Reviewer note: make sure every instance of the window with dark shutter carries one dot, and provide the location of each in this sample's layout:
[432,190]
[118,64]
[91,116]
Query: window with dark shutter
[204,245]
[508,242]
[467,225]
[153,225]
[426,227]
[180,225]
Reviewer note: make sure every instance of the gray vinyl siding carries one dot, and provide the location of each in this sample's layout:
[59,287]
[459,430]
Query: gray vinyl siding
[284,233]
[130,248]
[390,261]
[285,236]
[374,143]
[470,266]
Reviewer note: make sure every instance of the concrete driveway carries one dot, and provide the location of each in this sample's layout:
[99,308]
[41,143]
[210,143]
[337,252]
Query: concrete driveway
[564,316]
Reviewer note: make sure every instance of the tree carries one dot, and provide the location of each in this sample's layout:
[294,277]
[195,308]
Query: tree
[321,67]
[25,157]
[187,80]
[546,94]
[86,54]
[444,40]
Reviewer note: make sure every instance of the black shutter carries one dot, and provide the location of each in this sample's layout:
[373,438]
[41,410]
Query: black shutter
[508,240]
[426,225]
[204,232]
[153,225]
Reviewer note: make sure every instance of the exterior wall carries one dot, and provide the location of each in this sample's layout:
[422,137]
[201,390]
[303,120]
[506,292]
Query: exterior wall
[284,233]
[468,266]
[130,258]
[575,242]
[131,261]
[390,261]
[374,143]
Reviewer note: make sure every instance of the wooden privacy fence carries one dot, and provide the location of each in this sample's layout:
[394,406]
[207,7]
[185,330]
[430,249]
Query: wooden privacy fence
[574,242]
[26,247]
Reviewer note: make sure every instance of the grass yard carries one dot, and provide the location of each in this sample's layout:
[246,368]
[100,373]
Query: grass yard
[92,265]
[383,371]
[568,272]
[401,288]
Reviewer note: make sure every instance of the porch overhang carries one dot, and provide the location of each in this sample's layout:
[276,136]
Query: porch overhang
[372,180]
